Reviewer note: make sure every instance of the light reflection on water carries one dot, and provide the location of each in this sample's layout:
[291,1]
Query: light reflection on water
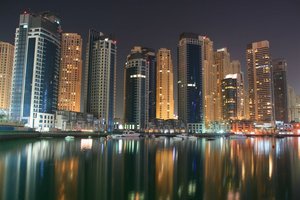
[256,168]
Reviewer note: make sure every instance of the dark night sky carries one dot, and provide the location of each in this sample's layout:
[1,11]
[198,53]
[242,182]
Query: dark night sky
[158,23]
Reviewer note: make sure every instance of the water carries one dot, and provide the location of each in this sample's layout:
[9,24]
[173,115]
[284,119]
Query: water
[255,168]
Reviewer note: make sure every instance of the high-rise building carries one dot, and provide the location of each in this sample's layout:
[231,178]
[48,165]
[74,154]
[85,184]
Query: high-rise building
[279,67]
[210,83]
[222,64]
[233,100]
[100,78]
[70,72]
[151,60]
[235,67]
[36,70]
[190,81]
[136,83]
[6,66]
[293,105]
[164,82]
[260,81]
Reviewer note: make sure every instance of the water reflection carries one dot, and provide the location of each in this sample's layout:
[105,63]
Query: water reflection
[255,168]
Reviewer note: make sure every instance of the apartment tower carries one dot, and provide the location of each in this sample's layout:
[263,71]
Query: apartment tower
[36,70]
[70,72]
[164,82]
[101,78]
[6,67]
[190,82]
[260,81]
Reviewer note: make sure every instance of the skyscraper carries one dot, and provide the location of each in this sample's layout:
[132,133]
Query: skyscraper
[6,66]
[210,83]
[100,78]
[233,99]
[260,81]
[280,89]
[229,100]
[151,60]
[136,83]
[36,70]
[222,64]
[190,81]
[164,89]
[70,72]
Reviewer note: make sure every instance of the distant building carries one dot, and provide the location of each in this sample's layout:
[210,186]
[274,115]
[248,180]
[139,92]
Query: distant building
[260,81]
[280,89]
[100,78]
[293,105]
[70,76]
[136,85]
[190,82]
[6,67]
[36,70]
[164,89]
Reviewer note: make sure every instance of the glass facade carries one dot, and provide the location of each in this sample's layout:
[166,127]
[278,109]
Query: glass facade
[136,90]
[190,81]
[36,70]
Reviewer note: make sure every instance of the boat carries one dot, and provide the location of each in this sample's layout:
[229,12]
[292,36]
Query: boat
[191,137]
[131,134]
[237,137]
[183,136]
[69,138]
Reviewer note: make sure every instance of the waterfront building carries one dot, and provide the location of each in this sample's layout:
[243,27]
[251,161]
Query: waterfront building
[100,78]
[164,82]
[70,76]
[136,93]
[36,70]
[74,121]
[280,89]
[6,67]
[260,81]
[190,82]
[242,126]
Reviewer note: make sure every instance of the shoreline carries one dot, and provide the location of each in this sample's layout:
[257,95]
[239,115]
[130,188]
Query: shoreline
[11,135]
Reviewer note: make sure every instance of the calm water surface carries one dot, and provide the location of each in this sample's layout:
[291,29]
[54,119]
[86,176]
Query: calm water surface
[256,168]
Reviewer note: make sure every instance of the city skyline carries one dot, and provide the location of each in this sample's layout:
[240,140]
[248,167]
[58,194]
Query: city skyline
[234,31]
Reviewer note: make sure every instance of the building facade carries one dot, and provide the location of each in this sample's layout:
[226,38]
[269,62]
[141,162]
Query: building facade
[164,89]
[259,81]
[36,70]
[151,60]
[293,105]
[210,82]
[6,67]
[222,64]
[280,89]
[190,82]
[136,93]
[101,78]
[229,97]
[70,76]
